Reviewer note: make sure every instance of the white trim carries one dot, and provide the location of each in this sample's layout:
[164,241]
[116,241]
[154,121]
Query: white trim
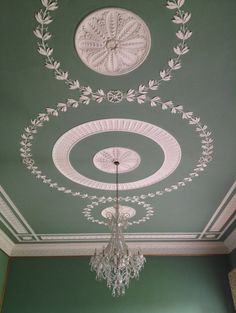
[160,248]
[214,216]
[225,215]
[128,236]
[227,226]
[13,216]
[6,244]
[230,241]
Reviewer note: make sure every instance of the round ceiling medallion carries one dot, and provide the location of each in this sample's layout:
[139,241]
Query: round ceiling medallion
[112,41]
[128,160]
[64,145]
[107,25]
[126,211]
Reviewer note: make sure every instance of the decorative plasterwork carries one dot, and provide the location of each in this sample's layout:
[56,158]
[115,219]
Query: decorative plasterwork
[124,210]
[128,236]
[44,18]
[6,244]
[152,248]
[12,218]
[191,243]
[112,41]
[201,129]
[128,159]
[88,211]
[223,217]
[64,145]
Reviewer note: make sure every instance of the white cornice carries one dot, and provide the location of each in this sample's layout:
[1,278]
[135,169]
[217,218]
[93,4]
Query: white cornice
[6,244]
[157,248]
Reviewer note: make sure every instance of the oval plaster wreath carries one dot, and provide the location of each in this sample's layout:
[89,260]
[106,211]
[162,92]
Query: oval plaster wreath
[139,94]
[42,118]
[148,212]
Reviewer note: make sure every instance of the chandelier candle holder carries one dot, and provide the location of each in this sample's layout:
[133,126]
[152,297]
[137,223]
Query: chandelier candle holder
[115,263]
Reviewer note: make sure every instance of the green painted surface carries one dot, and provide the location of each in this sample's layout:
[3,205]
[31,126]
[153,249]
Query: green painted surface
[3,272]
[204,85]
[232,259]
[166,285]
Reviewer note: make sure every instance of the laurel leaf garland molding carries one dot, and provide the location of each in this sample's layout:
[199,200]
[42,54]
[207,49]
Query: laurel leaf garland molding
[202,130]
[91,207]
[140,94]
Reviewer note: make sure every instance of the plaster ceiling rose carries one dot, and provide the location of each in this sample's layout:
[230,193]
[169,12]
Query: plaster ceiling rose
[126,211]
[64,145]
[101,35]
[112,41]
[128,159]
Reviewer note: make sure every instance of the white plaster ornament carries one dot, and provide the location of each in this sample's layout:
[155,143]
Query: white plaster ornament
[112,41]
[140,93]
[65,143]
[125,211]
[206,142]
[128,160]
[147,211]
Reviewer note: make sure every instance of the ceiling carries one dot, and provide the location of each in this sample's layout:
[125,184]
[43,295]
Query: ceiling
[188,201]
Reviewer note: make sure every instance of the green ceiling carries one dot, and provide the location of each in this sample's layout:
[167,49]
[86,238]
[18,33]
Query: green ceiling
[204,85]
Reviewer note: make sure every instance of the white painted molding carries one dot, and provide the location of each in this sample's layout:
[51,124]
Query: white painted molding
[8,213]
[13,216]
[128,236]
[65,143]
[225,215]
[6,244]
[230,241]
[222,214]
[160,248]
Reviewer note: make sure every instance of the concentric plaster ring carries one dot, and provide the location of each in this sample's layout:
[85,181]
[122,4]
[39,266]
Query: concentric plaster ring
[89,210]
[42,32]
[204,158]
[112,41]
[128,160]
[124,210]
[64,145]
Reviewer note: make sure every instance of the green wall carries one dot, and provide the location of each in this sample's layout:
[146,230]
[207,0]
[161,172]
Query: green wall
[3,272]
[232,259]
[166,285]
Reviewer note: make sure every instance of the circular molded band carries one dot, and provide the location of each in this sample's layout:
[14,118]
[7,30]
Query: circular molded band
[169,145]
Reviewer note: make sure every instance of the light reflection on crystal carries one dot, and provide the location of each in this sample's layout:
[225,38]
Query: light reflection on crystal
[116,264]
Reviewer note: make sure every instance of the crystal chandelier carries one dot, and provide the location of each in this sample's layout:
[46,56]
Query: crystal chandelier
[115,263]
